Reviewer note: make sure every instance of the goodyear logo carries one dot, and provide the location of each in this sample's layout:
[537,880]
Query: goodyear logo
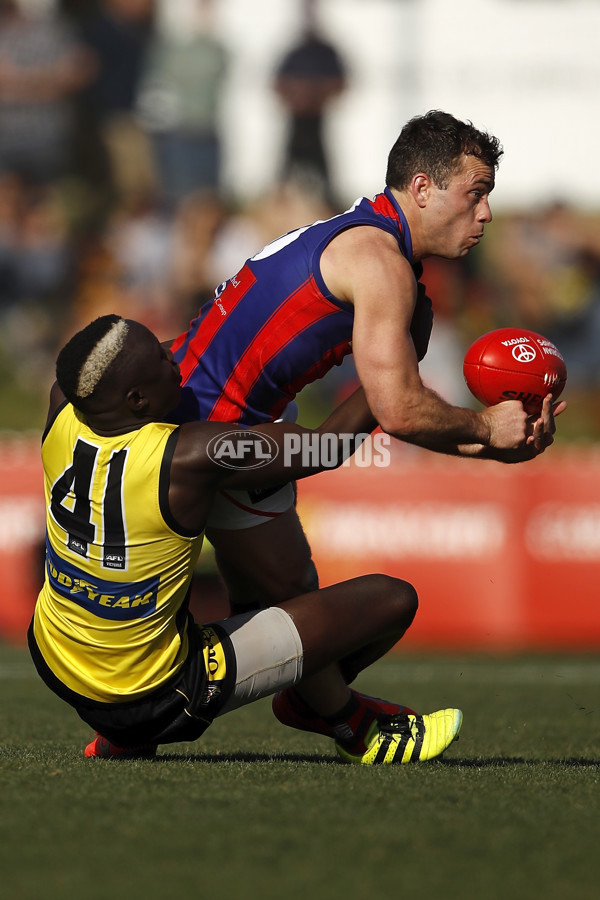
[106,599]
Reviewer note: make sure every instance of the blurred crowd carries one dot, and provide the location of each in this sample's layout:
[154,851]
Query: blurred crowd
[112,198]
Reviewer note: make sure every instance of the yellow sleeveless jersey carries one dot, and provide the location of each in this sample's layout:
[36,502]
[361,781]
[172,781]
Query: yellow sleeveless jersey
[111,618]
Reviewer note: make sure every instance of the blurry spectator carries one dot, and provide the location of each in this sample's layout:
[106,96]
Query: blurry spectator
[41,69]
[150,266]
[34,246]
[198,223]
[308,78]
[35,261]
[179,100]
[285,207]
[141,241]
[127,266]
[549,263]
[117,33]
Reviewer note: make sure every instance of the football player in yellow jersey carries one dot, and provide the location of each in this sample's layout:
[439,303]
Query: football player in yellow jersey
[127,497]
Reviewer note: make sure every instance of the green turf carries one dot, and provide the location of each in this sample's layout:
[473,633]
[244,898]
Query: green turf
[255,810]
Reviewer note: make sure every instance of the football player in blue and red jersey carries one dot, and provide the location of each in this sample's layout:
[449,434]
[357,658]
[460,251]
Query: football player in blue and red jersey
[348,284]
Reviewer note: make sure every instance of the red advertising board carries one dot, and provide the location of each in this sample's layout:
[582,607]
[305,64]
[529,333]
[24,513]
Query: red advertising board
[21,533]
[503,557]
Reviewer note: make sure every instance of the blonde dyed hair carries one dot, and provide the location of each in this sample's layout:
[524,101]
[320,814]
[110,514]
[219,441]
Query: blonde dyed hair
[101,356]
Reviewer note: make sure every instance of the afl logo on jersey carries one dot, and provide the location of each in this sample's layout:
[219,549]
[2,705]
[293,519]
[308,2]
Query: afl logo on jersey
[242,449]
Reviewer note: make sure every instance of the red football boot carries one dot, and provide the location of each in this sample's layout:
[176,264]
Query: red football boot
[101,748]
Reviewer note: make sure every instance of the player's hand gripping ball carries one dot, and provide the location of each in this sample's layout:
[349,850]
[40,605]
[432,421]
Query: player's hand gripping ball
[514,364]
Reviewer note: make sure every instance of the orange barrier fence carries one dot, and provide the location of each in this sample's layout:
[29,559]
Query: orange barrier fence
[503,557]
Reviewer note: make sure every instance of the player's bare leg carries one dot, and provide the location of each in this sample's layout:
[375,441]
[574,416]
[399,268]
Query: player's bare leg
[263,566]
[266,564]
[356,621]
[338,621]
[378,610]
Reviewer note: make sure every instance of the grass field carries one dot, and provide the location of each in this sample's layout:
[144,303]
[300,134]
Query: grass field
[256,810]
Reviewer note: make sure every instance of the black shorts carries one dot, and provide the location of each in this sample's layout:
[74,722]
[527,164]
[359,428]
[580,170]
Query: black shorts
[180,710]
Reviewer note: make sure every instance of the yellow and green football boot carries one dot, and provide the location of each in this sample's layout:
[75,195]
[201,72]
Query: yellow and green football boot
[407,738]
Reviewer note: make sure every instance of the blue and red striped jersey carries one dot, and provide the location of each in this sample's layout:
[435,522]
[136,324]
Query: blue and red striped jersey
[274,327]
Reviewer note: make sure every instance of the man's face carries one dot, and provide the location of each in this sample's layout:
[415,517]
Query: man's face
[156,373]
[456,215]
[168,382]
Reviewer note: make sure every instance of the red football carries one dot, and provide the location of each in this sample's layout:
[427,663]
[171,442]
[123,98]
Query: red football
[514,364]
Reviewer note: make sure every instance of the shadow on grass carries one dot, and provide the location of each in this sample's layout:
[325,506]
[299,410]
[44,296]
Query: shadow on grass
[213,758]
[477,763]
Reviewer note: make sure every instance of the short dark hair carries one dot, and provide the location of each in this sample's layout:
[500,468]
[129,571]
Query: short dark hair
[433,144]
[85,359]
